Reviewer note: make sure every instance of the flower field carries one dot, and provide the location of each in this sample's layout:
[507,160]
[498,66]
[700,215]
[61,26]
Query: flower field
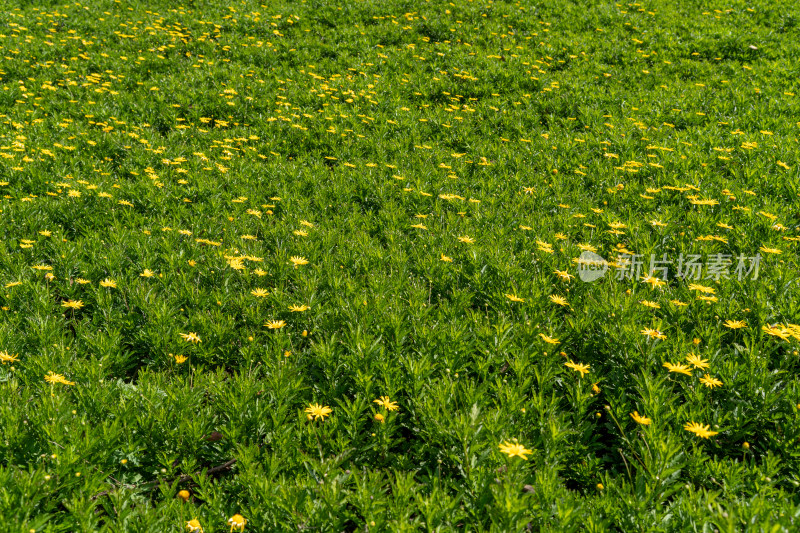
[399,266]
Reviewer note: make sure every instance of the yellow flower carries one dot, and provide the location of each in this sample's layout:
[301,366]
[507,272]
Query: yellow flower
[108,283]
[514,298]
[559,300]
[546,248]
[194,526]
[653,281]
[380,418]
[316,411]
[237,521]
[563,275]
[679,368]
[770,250]
[640,419]
[6,357]
[184,495]
[236,263]
[297,261]
[275,324]
[53,378]
[735,324]
[777,330]
[701,288]
[700,430]
[298,308]
[260,293]
[180,359]
[12,284]
[653,333]
[72,304]
[385,402]
[648,303]
[548,339]
[147,273]
[705,202]
[578,367]
[466,239]
[191,337]
[446,259]
[514,449]
[710,382]
[696,361]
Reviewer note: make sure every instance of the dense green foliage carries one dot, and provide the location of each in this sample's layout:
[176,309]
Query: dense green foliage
[218,219]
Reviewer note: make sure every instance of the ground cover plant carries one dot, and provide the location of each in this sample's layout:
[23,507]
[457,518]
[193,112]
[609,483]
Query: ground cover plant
[399,266]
